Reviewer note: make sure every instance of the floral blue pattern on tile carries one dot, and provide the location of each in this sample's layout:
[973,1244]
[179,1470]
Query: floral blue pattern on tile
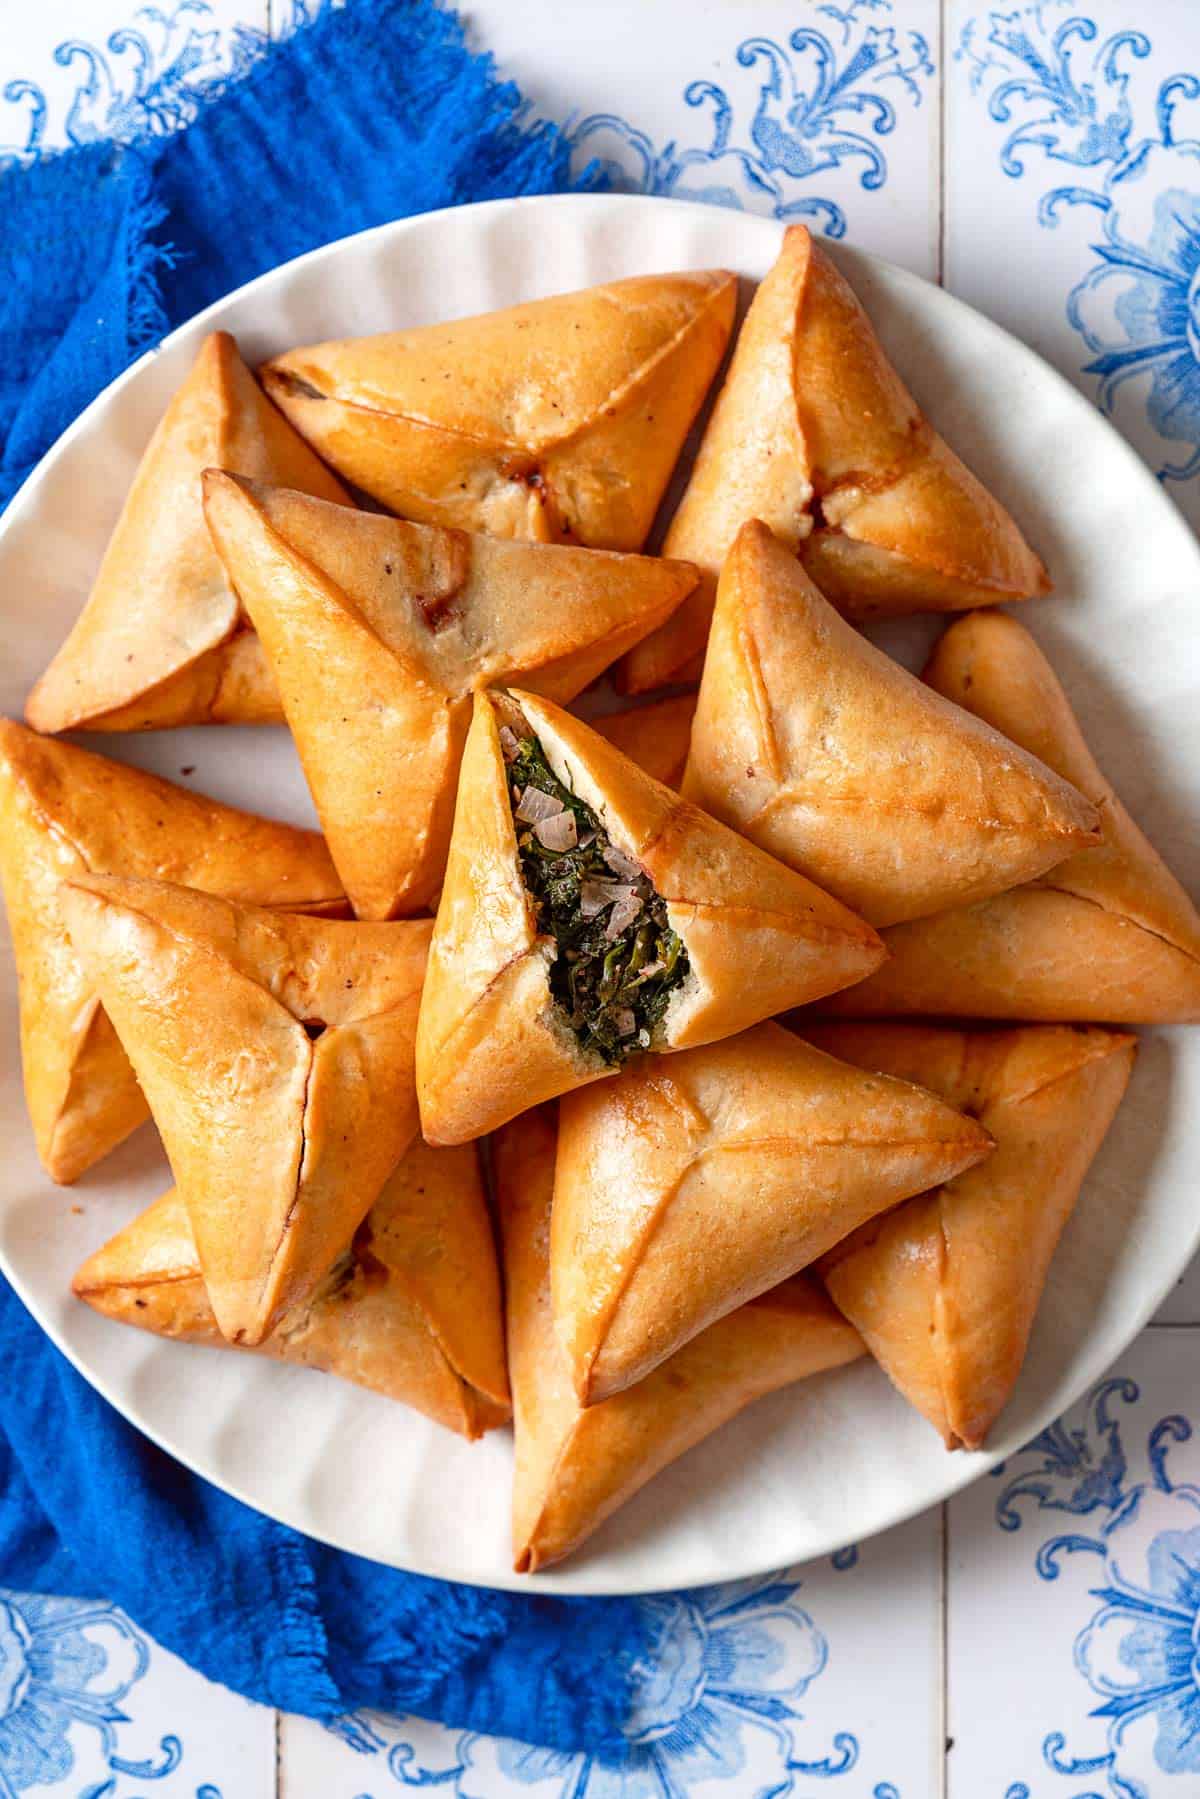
[1066,91]
[1139,1652]
[822,100]
[718,1705]
[147,76]
[67,1663]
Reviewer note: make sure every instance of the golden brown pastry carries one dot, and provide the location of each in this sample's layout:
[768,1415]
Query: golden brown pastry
[946,1287]
[276,1054]
[575,1467]
[838,761]
[162,639]
[659,928]
[559,420]
[379,631]
[412,1310]
[815,433]
[656,737]
[1108,936]
[687,1186]
[65,812]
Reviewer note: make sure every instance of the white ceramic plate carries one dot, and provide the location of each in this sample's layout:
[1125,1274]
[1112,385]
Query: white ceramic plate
[840,1457]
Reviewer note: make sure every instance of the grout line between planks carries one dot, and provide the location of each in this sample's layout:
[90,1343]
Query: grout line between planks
[940,263]
[943,1719]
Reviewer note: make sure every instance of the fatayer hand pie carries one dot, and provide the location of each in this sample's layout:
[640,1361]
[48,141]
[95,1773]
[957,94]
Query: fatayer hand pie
[379,631]
[656,736]
[576,1466]
[558,420]
[163,639]
[411,1310]
[276,1054]
[64,813]
[835,759]
[685,1187]
[815,433]
[945,1288]
[1109,935]
[589,913]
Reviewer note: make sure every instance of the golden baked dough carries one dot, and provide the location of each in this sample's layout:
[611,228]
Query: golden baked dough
[66,812]
[162,639]
[945,1288]
[656,737]
[491,1040]
[276,1054]
[559,420]
[815,433]
[688,1185]
[1108,936]
[838,761]
[379,631]
[411,1311]
[576,1466]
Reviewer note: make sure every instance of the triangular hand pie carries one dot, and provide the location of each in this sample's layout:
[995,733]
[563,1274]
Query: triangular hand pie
[559,420]
[838,761]
[162,639]
[656,737]
[945,1288]
[815,433]
[276,1053]
[412,1310]
[378,632]
[589,913]
[576,1466]
[1108,936]
[65,812]
[685,1187]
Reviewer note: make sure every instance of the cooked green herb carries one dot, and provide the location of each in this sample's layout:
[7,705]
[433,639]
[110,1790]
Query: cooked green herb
[618,959]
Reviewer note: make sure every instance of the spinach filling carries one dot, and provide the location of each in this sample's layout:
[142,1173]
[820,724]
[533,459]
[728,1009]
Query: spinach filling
[618,959]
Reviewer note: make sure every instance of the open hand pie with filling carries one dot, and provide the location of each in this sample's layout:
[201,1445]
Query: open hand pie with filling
[590,914]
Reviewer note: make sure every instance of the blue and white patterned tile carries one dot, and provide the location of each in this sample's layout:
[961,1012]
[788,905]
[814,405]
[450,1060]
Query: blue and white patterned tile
[822,112]
[1073,133]
[822,1678]
[72,71]
[91,1708]
[1074,1598]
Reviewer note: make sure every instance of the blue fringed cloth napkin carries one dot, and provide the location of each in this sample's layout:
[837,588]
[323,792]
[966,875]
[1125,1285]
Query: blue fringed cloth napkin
[369,113]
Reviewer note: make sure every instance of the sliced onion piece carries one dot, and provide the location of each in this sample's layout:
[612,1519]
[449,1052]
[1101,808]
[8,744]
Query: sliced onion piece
[557,833]
[595,895]
[620,863]
[536,805]
[622,914]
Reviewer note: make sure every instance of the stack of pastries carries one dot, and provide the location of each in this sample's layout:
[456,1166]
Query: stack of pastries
[683,968]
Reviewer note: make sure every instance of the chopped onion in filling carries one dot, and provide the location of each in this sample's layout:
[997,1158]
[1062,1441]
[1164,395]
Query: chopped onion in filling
[557,833]
[536,805]
[617,961]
